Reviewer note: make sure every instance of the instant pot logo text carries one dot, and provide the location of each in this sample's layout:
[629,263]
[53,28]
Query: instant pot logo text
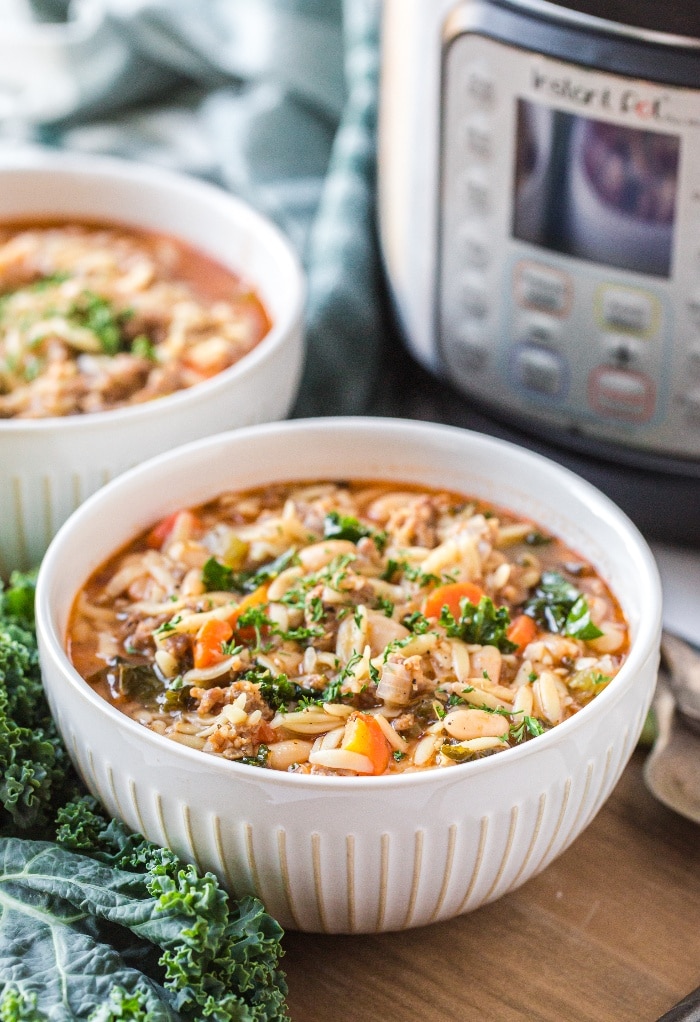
[622,99]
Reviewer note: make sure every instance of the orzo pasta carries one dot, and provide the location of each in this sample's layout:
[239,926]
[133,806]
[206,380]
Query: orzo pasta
[97,317]
[349,628]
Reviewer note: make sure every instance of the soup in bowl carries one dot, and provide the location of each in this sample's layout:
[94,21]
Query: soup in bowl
[139,309]
[377,672]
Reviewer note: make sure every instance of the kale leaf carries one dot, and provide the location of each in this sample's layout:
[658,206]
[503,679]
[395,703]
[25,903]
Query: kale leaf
[218,577]
[337,526]
[558,606]
[129,931]
[97,923]
[34,769]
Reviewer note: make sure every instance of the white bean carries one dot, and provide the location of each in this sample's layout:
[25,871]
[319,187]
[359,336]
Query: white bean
[282,755]
[467,724]
[487,663]
[612,638]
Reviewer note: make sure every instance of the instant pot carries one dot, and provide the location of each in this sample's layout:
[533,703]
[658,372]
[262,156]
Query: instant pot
[539,208]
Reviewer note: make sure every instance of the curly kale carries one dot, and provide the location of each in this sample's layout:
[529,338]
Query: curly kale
[482,623]
[34,768]
[97,923]
[137,934]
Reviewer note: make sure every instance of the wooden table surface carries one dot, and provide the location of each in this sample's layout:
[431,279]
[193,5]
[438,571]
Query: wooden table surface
[609,932]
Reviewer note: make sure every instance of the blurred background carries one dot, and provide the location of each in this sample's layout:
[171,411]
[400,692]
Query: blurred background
[274,100]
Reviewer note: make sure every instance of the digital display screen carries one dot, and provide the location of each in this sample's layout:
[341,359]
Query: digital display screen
[599,191]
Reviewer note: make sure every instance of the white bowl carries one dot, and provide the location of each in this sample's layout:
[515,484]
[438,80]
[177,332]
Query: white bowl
[49,466]
[340,854]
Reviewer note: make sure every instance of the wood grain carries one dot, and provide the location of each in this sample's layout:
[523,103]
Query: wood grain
[610,932]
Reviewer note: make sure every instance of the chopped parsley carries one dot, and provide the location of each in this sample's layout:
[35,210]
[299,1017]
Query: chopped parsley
[168,626]
[527,727]
[94,313]
[482,624]
[385,605]
[416,623]
[277,690]
[143,347]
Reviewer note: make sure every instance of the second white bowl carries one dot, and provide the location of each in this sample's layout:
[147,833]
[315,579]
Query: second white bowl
[49,466]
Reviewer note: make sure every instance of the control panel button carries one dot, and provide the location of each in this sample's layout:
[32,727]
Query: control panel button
[475,249]
[621,394]
[540,370]
[480,85]
[538,286]
[468,351]
[622,350]
[478,139]
[539,329]
[628,309]
[691,406]
[474,298]
[477,194]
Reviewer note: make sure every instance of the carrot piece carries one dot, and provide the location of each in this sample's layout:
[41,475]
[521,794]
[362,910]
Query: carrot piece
[364,735]
[254,599]
[208,642]
[522,630]
[160,532]
[450,596]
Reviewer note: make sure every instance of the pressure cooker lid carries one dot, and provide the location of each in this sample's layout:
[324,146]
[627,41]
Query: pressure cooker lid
[670,17]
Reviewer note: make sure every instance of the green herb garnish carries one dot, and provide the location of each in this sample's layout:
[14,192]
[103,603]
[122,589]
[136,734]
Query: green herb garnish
[482,624]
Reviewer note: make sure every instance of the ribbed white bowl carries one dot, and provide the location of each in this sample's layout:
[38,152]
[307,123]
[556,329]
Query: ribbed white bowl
[347,855]
[49,466]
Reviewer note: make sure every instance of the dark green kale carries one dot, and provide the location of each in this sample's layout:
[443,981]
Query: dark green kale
[259,759]
[338,526]
[558,606]
[218,577]
[155,938]
[96,923]
[277,690]
[34,768]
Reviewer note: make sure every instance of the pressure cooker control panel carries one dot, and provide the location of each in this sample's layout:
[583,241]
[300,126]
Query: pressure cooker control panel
[569,245]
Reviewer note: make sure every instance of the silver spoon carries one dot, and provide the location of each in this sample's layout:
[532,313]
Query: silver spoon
[672,769]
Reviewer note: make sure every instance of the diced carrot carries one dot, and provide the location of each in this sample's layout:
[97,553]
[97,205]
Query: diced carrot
[254,599]
[160,532]
[364,735]
[522,630]
[450,596]
[209,641]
